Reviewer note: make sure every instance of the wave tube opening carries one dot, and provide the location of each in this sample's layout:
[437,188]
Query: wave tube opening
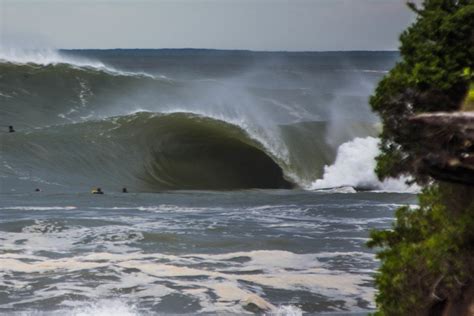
[190,152]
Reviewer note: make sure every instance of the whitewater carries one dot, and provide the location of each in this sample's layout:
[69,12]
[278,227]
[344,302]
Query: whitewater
[230,158]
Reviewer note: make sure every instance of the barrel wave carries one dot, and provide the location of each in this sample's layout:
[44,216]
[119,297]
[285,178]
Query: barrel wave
[150,152]
[83,125]
[192,152]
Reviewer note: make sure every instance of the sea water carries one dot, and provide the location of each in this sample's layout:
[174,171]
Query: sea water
[250,179]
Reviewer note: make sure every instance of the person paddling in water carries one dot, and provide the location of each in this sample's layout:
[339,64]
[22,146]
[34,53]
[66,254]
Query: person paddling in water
[97,191]
[11,129]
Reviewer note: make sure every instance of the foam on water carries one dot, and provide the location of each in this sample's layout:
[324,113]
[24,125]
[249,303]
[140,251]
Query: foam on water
[230,284]
[106,307]
[354,167]
[117,307]
[287,311]
[38,208]
[104,261]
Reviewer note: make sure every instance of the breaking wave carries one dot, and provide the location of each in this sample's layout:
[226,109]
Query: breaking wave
[44,57]
[152,151]
[83,123]
[354,167]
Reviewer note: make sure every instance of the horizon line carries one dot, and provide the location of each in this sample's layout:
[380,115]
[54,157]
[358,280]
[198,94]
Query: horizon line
[236,50]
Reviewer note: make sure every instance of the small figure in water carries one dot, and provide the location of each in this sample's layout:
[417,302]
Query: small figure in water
[37,190]
[124,190]
[11,129]
[97,191]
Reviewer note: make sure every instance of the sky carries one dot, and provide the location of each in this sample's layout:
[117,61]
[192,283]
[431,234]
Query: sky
[268,25]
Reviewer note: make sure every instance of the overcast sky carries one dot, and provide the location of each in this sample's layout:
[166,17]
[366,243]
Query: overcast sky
[296,25]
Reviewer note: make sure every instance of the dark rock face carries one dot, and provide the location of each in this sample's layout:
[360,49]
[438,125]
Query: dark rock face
[463,305]
[446,145]
[446,151]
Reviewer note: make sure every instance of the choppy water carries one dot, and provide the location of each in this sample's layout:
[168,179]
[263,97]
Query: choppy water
[190,252]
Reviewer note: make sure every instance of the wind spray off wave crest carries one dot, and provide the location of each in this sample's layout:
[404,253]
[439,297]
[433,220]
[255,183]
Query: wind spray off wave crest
[44,57]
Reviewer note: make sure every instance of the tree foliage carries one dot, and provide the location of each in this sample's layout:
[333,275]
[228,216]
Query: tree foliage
[437,62]
[428,256]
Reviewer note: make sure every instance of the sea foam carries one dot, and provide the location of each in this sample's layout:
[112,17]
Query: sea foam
[354,167]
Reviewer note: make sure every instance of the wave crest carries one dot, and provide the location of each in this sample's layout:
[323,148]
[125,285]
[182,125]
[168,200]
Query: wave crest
[44,57]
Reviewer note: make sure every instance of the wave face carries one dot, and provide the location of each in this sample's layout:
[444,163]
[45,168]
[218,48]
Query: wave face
[153,120]
[151,152]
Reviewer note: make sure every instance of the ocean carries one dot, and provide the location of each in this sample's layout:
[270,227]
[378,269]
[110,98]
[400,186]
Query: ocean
[249,177]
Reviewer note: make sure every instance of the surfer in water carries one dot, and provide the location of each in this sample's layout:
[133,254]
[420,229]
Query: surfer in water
[97,191]
[11,129]
[124,190]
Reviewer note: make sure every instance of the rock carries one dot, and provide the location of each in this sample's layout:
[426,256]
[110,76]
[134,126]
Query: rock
[446,145]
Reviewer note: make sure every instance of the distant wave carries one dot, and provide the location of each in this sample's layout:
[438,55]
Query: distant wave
[44,57]
[52,57]
[35,95]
